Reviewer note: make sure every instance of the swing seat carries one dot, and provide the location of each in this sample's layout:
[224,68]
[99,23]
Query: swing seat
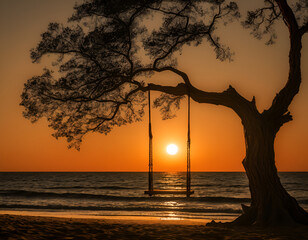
[169,191]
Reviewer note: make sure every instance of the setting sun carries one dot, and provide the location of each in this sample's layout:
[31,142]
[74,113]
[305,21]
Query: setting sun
[172,149]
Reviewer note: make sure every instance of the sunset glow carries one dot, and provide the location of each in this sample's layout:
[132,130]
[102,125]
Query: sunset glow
[172,149]
[217,136]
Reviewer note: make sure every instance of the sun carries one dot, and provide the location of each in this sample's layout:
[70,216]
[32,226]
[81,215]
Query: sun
[172,149]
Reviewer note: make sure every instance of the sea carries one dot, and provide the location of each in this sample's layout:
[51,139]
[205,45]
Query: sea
[217,195]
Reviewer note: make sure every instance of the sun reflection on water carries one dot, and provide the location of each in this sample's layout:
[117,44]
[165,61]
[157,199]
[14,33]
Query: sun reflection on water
[172,204]
[172,180]
[171,216]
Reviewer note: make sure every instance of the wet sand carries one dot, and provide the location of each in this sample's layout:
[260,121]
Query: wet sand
[37,227]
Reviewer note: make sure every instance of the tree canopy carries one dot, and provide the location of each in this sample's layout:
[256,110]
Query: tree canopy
[108,49]
[105,55]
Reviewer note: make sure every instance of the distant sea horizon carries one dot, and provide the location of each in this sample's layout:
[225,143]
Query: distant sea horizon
[218,195]
[137,171]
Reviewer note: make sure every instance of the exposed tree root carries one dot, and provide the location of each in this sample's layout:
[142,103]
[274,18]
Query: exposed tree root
[275,217]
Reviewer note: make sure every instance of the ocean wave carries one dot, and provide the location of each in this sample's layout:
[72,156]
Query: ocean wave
[85,187]
[141,209]
[216,185]
[54,195]
[33,194]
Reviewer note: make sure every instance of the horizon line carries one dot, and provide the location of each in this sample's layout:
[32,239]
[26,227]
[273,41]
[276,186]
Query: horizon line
[136,171]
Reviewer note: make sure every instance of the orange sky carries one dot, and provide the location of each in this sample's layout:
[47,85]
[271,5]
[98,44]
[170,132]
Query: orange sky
[217,134]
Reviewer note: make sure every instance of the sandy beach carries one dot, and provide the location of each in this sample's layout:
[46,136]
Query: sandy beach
[37,227]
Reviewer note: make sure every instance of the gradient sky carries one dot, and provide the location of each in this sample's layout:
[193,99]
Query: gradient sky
[217,133]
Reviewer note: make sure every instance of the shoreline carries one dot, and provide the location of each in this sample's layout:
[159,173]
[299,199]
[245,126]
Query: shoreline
[113,218]
[46,227]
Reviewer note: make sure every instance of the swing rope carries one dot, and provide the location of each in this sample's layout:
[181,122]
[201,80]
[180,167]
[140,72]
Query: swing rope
[188,145]
[151,190]
[150,145]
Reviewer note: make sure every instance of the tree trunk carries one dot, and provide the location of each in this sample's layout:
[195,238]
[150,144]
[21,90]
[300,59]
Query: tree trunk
[270,202]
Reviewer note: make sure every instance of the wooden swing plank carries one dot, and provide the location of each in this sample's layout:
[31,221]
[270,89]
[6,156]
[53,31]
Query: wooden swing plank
[169,191]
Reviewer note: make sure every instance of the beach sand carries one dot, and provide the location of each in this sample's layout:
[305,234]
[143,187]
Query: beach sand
[37,227]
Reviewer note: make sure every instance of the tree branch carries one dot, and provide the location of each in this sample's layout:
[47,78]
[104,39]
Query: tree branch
[118,105]
[229,98]
[288,15]
[284,98]
[304,29]
[183,75]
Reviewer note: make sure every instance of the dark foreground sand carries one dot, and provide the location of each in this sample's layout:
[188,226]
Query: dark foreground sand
[33,227]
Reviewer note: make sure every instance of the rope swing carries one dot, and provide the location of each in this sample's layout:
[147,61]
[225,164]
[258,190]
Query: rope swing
[151,190]
[150,146]
[188,178]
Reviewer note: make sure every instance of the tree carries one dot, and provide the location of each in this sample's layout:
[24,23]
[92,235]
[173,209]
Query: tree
[103,74]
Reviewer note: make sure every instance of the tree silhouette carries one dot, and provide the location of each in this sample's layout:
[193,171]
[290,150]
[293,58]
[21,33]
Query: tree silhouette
[106,54]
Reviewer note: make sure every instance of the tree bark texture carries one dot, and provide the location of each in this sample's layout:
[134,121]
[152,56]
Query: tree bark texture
[270,203]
